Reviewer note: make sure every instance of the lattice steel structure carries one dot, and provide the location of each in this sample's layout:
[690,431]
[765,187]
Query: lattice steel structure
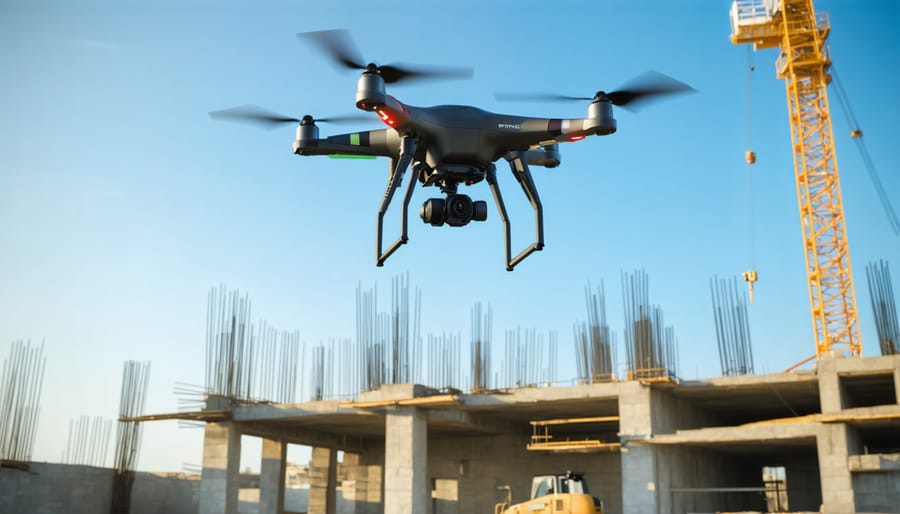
[799,33]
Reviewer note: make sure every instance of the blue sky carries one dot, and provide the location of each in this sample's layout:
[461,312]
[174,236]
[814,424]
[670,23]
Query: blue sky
[122,203]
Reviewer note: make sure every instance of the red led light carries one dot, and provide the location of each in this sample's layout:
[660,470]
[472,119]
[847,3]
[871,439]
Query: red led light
[385,117]
[575,138]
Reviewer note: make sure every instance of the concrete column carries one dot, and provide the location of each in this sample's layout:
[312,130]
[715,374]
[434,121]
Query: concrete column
[836,441]
[640,483]
[323,481]
[831,394]
[221,469]
[406,488]
[271,477]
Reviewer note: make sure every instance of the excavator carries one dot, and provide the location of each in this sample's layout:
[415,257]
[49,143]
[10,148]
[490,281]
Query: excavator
[554,494]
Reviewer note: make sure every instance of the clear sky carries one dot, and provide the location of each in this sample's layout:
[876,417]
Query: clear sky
[122,203]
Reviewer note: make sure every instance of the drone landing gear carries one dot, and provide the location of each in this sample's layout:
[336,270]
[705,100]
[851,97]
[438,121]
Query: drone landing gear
[407,150]
[519,167]
[436,213]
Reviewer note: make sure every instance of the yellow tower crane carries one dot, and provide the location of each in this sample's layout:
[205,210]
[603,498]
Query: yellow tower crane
[799,33]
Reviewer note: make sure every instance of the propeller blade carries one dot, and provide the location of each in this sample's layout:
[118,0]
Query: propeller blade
[392,73]
[267,119]
[347,118]
[537,97]
[637,91]
[252,114]
[646,87]
[339,45]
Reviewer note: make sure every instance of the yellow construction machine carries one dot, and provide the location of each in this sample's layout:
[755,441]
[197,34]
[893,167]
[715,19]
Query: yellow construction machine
[554,494]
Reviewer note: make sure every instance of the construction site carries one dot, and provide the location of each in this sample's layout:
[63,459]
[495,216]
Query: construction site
[400,421]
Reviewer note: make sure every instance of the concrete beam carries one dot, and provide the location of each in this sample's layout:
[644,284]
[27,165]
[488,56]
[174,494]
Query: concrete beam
[271,477]
[308,437]
[221,469]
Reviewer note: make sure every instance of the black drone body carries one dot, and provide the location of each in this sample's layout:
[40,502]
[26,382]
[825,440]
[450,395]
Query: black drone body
[450,145]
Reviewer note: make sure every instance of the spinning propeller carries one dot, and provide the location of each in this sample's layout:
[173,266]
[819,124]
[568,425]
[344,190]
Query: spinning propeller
[644,88]
[339,46]
[267,119]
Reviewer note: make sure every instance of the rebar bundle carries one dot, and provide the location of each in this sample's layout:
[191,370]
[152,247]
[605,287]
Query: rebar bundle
[88,441]
[732,327]
[246,361]
[228,344]
[595,344]
[273,365]
[388,343]
[20,397]
[524,364]
[480,349]
[135,378]
[444,359]
[190,398]
[882,295]
[651,347]
[320,379]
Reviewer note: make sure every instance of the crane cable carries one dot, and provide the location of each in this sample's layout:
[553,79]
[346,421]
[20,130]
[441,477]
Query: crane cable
[750,275]
[857,135]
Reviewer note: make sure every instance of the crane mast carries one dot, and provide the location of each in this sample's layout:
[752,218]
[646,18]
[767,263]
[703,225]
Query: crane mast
[799,33]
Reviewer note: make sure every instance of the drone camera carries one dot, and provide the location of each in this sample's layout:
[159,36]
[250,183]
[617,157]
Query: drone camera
[456,210]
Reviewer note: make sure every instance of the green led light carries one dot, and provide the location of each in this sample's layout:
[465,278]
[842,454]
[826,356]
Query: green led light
[350,156]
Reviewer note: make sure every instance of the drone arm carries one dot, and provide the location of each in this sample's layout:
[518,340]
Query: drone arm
[377,143]
[399,166]
[519,166]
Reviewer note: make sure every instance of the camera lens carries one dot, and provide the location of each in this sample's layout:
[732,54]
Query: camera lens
[432,211]
[459,210]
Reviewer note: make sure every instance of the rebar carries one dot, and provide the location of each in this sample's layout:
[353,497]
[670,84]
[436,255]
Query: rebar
[651,347]
[595,344]
[20,397]
[246,361]
[228,344]
[480,350]
[135,379]
[444,358]
[883,306]
[524,353]
[88,441]
[732,327]
[388,343]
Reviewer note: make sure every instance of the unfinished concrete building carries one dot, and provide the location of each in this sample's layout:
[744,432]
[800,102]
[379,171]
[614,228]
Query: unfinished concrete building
[803,441]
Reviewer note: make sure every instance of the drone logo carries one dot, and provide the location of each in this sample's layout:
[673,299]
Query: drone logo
[511,126]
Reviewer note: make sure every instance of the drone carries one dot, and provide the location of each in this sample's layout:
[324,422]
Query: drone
[448,146]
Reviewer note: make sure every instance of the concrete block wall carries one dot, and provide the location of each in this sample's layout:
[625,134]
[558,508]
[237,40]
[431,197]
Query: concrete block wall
[877,492]
[160,494]
[54,488]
